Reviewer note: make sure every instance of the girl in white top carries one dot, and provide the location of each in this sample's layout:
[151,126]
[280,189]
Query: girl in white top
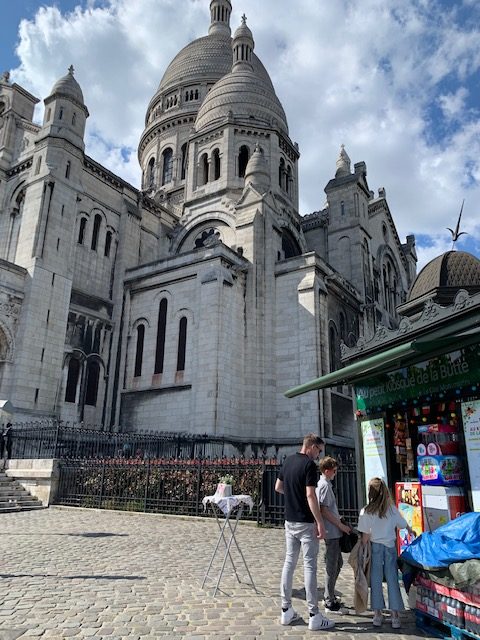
[378,523]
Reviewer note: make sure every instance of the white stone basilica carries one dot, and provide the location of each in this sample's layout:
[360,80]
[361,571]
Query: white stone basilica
[193,303]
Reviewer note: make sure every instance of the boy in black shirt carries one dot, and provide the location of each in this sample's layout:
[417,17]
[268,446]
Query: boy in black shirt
[303,528]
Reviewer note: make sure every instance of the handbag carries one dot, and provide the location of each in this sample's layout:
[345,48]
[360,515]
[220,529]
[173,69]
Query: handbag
[348,540]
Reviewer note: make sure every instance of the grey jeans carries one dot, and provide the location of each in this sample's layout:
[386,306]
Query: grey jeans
[300,535]
[333,564]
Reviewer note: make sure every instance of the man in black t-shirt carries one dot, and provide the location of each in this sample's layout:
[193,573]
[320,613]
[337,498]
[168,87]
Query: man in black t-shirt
[303,529]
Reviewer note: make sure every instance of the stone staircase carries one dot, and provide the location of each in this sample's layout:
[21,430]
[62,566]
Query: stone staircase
[13,497]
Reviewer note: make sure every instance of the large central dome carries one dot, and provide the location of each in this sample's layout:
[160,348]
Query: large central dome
[190,76]
[208,58]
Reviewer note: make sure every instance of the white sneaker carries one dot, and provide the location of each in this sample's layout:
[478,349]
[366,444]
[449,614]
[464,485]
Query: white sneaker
[396,624]
[289,616]
[377,620]
[318,622]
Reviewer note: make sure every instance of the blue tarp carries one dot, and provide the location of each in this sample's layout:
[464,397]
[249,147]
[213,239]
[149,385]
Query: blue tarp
[456,541]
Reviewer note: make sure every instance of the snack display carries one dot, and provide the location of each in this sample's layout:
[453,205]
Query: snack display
[440,470]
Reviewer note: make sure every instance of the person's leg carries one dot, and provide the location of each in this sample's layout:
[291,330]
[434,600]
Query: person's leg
[292,543]
[395,602]
[377,601]
[333,564]
[310,554]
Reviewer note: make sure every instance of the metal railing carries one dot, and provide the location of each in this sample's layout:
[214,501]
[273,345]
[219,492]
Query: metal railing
[178,486]
[54,439]
[167,472]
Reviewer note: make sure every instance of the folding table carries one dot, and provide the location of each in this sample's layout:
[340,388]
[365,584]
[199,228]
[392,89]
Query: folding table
[228,511]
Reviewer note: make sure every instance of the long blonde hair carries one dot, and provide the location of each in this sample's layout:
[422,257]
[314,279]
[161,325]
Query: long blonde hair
[379,498]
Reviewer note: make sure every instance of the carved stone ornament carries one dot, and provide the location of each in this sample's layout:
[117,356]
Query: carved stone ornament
[431,310]
[462,301]
[10,310]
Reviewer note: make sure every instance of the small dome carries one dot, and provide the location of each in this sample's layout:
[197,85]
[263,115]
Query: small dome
[257,172]
[449,272]
[69,87]
[247,97]
[243,31]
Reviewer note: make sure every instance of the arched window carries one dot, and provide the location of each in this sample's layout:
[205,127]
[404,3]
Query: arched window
[67,169]
[333,347]
[343,327]
[216,164]
[182,344]
[243,157]
[74,119]
[183,168]
[151,173]
[342,208]
[281,173]
[203,169]
[288,180]
[139,350]
[93,377]
[108,244]
[167,170]
[38,165]
[96,229]
[72,380]
[60,114]
[81,230]
[161,330]
[290,246]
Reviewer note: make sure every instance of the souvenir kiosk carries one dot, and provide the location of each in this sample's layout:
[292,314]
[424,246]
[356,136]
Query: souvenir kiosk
[417,390]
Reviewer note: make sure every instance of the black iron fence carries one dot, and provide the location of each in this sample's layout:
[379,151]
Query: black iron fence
[57,440]
[167,472]
[178,487]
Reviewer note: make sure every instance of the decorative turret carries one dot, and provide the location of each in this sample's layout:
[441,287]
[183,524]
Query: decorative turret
[220,11]
[243,45]
[65,111]
[343,163]
[257,172]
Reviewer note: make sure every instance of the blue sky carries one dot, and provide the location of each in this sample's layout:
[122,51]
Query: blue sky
[396,81]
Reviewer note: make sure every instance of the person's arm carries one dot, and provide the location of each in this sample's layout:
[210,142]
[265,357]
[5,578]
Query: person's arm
[365,538]
[279,486]
[315,509]
[364,526]
[331,517]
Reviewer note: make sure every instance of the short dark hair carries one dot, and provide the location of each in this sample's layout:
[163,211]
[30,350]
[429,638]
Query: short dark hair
[312,439]
[327,463]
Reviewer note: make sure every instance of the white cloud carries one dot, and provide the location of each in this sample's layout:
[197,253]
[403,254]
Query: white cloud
[453,104]
[364,73]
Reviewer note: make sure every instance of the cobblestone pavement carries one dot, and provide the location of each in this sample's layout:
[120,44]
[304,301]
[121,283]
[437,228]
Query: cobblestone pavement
[75,573]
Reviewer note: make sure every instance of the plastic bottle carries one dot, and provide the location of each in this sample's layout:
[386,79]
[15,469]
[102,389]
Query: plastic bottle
[476,620]
[442,607]
[450,611]
[460,614]
[468,618]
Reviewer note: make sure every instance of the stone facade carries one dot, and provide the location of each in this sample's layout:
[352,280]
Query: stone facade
[193,303]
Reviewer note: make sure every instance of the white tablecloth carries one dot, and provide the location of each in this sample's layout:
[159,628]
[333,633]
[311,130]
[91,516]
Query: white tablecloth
[229,503]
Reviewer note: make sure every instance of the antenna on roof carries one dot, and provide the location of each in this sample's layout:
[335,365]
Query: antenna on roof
[457,233]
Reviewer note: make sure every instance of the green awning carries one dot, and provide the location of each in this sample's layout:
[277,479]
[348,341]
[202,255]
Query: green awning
[351,372]
[397,357]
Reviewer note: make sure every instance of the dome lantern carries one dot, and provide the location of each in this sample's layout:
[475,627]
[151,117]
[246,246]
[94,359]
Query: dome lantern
[243,45]
[220,11]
